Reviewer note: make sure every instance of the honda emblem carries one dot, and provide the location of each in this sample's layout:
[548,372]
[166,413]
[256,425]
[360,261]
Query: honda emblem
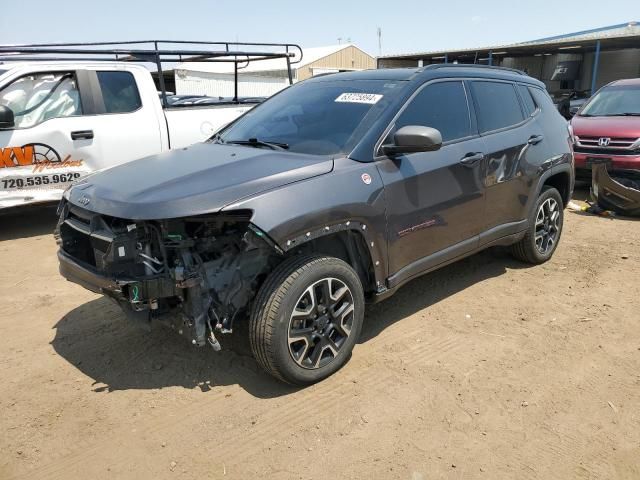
[604,142]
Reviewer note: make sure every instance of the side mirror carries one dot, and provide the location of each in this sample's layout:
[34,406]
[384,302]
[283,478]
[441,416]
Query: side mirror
[412,139]
[6,118]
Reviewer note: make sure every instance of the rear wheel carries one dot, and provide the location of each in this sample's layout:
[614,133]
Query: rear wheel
[545,228]
[307,318]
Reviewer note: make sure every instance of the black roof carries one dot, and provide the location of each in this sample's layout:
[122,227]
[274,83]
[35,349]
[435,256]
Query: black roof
[434,71]
[375,74]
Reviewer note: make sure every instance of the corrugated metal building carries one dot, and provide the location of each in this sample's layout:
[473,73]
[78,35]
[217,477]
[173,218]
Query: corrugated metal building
[583,60]
[266,77]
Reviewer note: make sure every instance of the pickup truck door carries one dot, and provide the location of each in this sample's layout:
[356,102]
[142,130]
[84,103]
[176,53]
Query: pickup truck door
[69,123]
[435,200]
[128,123]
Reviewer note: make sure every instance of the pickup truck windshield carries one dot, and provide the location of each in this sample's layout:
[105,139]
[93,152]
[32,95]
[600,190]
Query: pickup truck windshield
[318,118]
[613,101]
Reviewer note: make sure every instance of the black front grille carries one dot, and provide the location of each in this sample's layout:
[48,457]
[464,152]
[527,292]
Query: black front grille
[92,239]
[77,244]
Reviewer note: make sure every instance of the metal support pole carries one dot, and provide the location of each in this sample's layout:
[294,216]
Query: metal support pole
[490,58]
[161,77]
[235,81]
[289,70]
[594,73]
[446,58]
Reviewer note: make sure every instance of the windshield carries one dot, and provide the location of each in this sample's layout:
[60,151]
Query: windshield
[319,118]
[613,101]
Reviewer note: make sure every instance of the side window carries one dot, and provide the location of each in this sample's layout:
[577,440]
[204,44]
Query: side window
[498,105]
[529,104]
[542,98]
[442,106]
[38,97]
[119,91]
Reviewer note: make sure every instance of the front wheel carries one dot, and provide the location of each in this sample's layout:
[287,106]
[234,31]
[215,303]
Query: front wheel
[307,318]
[545,228]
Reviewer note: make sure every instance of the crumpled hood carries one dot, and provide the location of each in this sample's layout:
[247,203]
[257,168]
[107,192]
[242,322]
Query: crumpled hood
[621,127]
[199,179]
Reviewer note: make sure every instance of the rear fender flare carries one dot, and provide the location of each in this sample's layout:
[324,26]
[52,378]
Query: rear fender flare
[562,168]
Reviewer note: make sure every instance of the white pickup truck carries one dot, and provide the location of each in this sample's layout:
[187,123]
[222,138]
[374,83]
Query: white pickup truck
[60,120]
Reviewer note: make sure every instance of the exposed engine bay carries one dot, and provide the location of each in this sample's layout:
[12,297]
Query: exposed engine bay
[196,275]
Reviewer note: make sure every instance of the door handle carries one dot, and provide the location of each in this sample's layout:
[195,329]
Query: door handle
[82,135]
[535,139]
[471,158]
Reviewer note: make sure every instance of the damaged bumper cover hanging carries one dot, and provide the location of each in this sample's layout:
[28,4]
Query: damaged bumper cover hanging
[618,191]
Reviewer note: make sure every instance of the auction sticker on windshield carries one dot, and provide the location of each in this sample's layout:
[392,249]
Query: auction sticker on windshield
[370,98]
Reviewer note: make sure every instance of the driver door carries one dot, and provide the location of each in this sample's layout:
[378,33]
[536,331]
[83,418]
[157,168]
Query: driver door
[39,157]
[435,200]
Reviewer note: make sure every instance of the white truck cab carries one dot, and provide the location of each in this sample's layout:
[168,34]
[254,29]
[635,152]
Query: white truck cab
[62,119]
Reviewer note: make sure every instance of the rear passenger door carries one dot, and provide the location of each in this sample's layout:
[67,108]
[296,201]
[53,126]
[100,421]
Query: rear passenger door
[511,137]
[435,200]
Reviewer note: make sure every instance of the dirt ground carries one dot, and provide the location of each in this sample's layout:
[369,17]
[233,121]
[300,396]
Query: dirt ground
[485,369]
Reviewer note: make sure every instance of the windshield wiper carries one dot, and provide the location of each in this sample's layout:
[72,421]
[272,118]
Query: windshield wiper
[254,142]
[624,114]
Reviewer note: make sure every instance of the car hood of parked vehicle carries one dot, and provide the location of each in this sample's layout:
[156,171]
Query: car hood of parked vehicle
[618,127]
[200,179]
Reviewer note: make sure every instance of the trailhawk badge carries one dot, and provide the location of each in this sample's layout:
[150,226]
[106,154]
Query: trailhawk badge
[366,178]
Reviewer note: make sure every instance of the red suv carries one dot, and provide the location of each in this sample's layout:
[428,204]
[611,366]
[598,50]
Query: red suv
[608,128]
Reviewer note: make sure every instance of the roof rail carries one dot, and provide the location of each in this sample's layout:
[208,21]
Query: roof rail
[156,52]
[472,65]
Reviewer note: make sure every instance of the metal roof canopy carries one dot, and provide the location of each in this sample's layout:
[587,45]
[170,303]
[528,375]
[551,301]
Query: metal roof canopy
[612,37]
[526,50]
[156,52]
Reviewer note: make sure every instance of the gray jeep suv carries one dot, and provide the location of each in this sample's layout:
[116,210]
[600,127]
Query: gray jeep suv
[332,193]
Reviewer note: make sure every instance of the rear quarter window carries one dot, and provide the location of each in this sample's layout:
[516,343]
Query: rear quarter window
[527,100]
[542,98]
[497,105]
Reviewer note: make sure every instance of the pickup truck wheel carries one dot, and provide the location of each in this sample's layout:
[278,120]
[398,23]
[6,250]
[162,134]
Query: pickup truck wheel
[545,228]
[307,318]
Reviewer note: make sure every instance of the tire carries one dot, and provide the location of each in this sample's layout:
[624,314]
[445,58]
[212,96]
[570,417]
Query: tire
[531,248]
[304,346]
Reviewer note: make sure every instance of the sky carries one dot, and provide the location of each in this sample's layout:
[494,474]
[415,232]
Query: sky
[407,26]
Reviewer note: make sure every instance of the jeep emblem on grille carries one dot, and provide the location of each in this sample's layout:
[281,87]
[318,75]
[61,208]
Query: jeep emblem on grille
[84,200]
[604,142]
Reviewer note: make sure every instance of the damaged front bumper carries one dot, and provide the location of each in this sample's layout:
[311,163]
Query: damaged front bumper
[620,193]
[196,275]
